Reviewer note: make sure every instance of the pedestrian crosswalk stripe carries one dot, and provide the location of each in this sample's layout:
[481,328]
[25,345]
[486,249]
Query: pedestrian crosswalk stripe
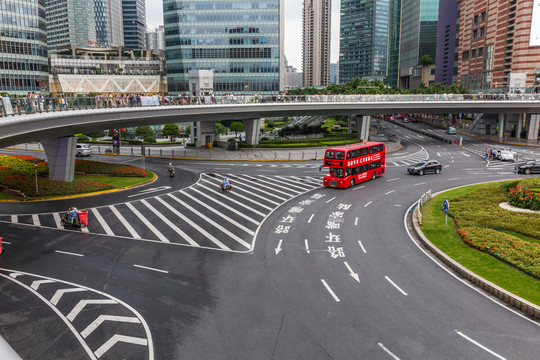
[101,221]
[179,231]
[273,184]
[145,220]
[230,198]
[281,180]
[258,188]
[124,222]
[243,189]
[57,220]
[35,220]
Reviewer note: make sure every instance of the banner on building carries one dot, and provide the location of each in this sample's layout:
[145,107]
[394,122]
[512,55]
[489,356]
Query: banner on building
[535,24]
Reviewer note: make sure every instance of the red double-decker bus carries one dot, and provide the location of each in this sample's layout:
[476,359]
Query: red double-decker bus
[353,164]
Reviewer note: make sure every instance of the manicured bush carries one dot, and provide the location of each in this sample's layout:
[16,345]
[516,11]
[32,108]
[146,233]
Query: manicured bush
[82,139]
[149,139]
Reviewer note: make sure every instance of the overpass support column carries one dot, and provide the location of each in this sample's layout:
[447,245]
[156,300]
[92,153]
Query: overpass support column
[252,128]
[362,126]
[532,128]
[60,154]
[502,121]
[519,126]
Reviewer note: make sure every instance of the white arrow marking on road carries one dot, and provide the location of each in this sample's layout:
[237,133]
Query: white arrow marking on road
[388,351]
[467,155]
[330,291]
[148,191]
[362,246]
[307,246]
[119,338]
[59,293]
[278,249]
[479,345]
[36,283]
[351,272]
[368,204]
[78,308]
[101,318]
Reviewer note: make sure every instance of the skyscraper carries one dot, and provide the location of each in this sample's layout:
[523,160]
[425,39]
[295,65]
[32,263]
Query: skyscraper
[109,24]
[394,33]
[316,42]
[23,47]
[418,35]
[155,38]
[70,22]
[134,19]
[363,39]
[241,40]
[446,67]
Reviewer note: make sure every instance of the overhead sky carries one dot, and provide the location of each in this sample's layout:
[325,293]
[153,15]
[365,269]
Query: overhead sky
[293,28]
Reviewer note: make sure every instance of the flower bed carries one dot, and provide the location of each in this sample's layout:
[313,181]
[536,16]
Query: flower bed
[523,255]
[522,197]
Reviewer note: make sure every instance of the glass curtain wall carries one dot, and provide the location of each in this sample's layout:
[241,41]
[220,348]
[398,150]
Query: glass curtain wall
[240,40]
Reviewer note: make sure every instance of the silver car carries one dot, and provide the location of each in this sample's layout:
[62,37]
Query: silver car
[83,150]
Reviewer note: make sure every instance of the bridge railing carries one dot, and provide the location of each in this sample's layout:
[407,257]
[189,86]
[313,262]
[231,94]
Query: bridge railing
[43,104]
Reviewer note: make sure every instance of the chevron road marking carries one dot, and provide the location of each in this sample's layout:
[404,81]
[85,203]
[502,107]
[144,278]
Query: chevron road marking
[119,338]
[234,200]
[59,293]
[57,220]
[101,318]
[80,306]
[37,283]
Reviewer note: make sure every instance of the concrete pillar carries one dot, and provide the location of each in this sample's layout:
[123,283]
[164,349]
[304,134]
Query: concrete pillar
[252,127]
[362,127]
[202,132]
[502,121]
[519,126]
[60,154]
[532,127]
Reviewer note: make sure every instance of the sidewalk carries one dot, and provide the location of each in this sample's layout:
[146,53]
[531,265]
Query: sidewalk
[217,154]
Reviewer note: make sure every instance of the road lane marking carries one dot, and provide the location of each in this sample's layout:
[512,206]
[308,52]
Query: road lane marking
[230,198]
[307,246]
[273,184]
[331,199]
[422,183]
[394,179]
[35,284]
[388,351]
[330,291]
[480,345]
[397,287]
[146,222]
[67,253]
[14,219]
[124,222]
[467,155]
[362,246]
[80,306]
[257,188]
[391,191]
[278,249]
[119,338]
[351,272]
[310,218]
[227,207]
[57,220]
[445,166]
[149,268]
[101,318]
[368,204]
[359,187]
[59,293]
[454,179]
[439,154]
[35,219]
[356,221]
[148,191]
[102,222]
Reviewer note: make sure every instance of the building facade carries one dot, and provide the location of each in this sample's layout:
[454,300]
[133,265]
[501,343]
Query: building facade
[498,39]
[334,73]
[155,38]
[394,35]
[418,35]
[105,71]
[134,23]
[316,23]
[363,39]
[109,22]
[293,78]
[241,40]
[447,43]
[70,22]
[23,47]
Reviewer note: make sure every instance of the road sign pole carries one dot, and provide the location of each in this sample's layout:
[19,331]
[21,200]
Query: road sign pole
[35,173]
[445,208]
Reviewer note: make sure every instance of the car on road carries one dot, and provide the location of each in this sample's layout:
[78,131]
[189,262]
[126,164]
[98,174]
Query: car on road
[83,150]
[451,130]
[506,155]
[425,167]
[529,167]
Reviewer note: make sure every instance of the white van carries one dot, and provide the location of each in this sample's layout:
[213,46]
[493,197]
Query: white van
[83,150]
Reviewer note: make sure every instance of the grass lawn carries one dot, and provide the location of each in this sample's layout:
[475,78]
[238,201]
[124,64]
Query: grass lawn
[481,263]
[116,181]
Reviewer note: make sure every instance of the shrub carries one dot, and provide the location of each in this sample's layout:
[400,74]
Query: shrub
[522,197]
[83,138]
[232,140]
[510,184]
[149,139]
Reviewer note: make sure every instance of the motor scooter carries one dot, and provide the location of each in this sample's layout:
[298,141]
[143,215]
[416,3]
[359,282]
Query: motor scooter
[171,172]
[80,221]
[225,188]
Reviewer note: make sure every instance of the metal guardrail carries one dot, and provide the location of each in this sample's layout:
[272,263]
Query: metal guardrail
[24,105]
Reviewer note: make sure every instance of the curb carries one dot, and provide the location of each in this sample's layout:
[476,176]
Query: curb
[504,295]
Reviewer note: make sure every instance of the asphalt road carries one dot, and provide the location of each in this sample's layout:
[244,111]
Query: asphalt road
[278,268]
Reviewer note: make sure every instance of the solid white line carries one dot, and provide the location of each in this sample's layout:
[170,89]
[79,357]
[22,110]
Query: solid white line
[454,179]
[35,284]
[480,345]
[67,253]
[330,291]
[149,268]
[59,293]
[311,217]
[119,338]
[81,304]
[397,287]
[439,154]
[356,221]
[359,187]
[362,246]
[124,222]
[388,351]
[307,245]
[145,221]
[391,191]
[101,318]
[35,219]
[331,199]
[467,155]
[102,222]
[226,207]
[422,183]
[368,204]
[288,184]
[179,231]
[394,179]
[6,242]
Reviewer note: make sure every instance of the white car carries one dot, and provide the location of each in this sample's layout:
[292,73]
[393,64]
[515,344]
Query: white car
[83,150]
[506,155]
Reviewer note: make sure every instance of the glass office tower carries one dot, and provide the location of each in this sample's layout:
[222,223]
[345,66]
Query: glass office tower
[70,22]
[23,47]
[134,18]
[241,40]
[109,23]
[363,39]
[394,32]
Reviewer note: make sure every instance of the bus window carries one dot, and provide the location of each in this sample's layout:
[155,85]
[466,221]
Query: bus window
[370,150]
[330,154]
[349,155]
[375,149]
[338,172]
[347,171]
[370,166]
[377,164]
[354,170]
[353,154]
[380,147]
[340,155]
[365,151]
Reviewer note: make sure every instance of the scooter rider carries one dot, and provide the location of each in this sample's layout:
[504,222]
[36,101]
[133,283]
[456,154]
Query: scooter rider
[72,214]
[171,168]
[225,184]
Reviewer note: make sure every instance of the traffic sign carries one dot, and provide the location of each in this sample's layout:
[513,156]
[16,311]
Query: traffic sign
[445,206]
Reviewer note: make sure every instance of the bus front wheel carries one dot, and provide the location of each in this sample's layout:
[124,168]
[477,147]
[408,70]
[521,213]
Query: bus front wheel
[352,182]
[373,176]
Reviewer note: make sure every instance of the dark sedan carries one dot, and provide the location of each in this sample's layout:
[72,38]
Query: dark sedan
[529,167]
[425,167]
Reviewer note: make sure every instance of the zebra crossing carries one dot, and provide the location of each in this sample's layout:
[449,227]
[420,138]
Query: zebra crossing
[407,159]
[199,216]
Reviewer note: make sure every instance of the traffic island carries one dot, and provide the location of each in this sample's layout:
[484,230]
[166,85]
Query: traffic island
[472,252]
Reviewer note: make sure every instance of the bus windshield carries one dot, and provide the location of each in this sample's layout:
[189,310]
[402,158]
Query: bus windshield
[340,155]
[330,154]
[338,172]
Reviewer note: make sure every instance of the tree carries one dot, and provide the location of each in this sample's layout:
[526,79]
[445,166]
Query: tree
[220,128]
[144,131]
[95,134]
[426,60]
[170,130]
[236,127]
